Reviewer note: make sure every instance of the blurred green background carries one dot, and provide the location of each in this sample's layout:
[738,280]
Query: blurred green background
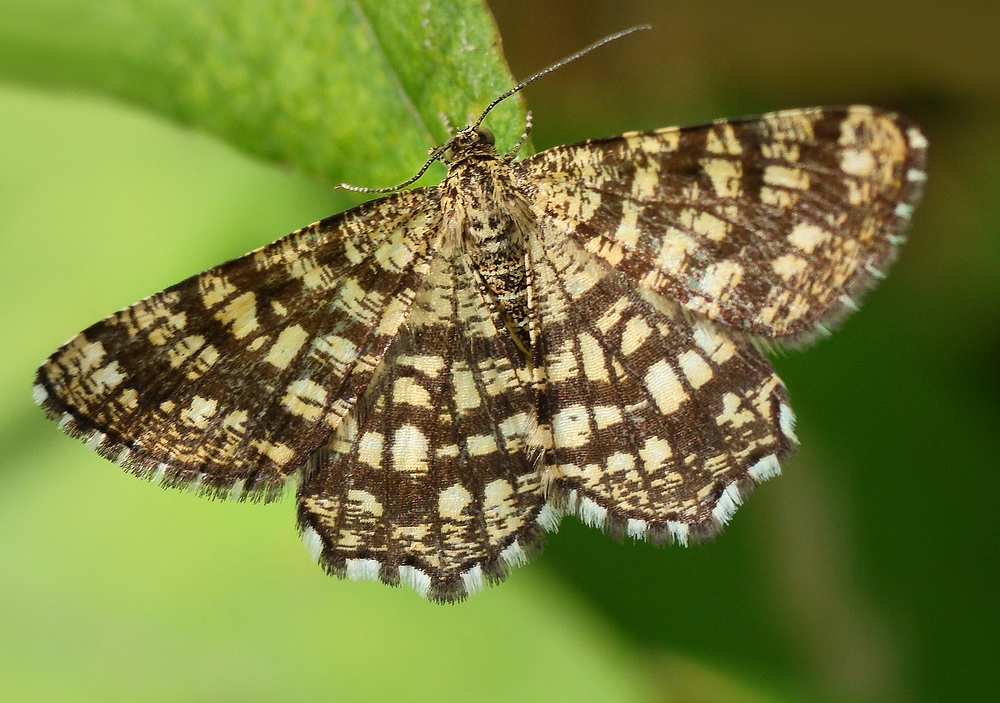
[867,572]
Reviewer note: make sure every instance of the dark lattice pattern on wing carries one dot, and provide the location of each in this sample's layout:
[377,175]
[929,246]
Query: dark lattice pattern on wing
[660,421]
[435,477]
[774,226]
[229,379]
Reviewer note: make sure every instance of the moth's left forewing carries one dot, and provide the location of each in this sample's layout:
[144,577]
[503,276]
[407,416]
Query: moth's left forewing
[773,226]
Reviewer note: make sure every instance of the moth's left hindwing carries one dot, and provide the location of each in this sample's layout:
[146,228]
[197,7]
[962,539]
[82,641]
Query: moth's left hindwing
[161,387]
[661,420]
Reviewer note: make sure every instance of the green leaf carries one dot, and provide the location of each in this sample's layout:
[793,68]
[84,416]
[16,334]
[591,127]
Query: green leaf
[348,90]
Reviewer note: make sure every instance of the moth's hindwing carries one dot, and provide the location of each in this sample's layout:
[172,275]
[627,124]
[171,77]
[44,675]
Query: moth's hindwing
[434,478]
[661,420]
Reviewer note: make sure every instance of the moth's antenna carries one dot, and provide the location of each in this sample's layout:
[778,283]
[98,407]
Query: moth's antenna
[436,153]
[559,64]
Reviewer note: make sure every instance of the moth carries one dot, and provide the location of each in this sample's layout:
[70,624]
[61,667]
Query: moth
[450,370]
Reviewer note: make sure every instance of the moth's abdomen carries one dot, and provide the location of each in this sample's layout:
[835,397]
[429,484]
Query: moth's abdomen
[493,220]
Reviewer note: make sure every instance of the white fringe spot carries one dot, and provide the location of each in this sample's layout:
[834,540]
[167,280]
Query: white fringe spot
[786,420]
[196,483]
[473,580]
[123,454]
[95,439]
[39,394]
[572,500]
[514,554]
[236,492]
[161,471]
[591,513]
[729,501]
[766,468]
[917,139]
[915,174]
[874,271]
[362,569]
[680,532]
[415,579]
[636,528]
[904,210]
[549,518]
[848,302]
[312,542]
[65,420]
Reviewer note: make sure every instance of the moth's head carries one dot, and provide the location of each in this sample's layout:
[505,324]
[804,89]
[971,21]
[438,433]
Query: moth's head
[474,140]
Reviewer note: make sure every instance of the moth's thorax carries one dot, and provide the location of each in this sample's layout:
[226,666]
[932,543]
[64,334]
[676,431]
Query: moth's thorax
[490,217]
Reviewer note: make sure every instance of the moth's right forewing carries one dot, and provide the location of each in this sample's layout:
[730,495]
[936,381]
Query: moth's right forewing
[232,377]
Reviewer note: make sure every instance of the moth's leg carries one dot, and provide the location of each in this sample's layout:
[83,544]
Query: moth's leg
[509,156]
[446,121]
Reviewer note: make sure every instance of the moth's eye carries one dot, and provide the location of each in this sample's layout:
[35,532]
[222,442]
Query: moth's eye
[486,135]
